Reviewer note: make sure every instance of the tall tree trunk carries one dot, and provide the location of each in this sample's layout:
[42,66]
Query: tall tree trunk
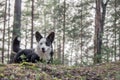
[115,48]
[71,53]
[59,52]
[107,45]
[26,34]
[45,22]
[99,29]
[17,18]
[81,32]
[54,23]
[98,33]
[64,31]
[16,23]
[32,13]
[8,56]
[4,32]
[119,44]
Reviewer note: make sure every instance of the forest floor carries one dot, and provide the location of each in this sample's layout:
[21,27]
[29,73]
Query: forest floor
[39,71]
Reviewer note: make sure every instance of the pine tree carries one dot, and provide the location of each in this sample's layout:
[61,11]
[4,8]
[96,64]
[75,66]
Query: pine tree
[99,29]
[32,14]
[16,23]
[3,41]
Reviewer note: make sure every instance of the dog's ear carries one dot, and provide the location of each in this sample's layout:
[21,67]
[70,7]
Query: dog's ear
[51,36]
[38,36]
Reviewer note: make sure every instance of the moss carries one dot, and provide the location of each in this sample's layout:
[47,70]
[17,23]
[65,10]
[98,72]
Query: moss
[2,65]
[2,69]
[81,77]
[55,78]
[12,77]
[37,76]
[43,76]
[29,66]
[117,76]
[1,75]
[69,75]
[26,64]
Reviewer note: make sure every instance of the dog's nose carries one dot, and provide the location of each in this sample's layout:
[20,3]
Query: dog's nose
[43,50]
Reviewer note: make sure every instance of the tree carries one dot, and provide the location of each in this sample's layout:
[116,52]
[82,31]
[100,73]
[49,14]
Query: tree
[16,23]
[99,29]
[32,13]
[119,44]
[115,31]
[64,22]
[3,41]
[8,31]
[17,18]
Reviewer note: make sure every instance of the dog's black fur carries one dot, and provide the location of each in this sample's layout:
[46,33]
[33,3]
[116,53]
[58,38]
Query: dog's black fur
[29,54]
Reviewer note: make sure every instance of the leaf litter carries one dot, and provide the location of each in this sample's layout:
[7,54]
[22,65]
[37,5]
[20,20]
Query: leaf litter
[40,71]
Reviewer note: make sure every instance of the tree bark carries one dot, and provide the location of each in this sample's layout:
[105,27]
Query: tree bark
[115,25]
[26,34]
[16,24]
[99,29]
[64,32]
[4,32]
[81,20]
[17,18]
[32,13]
[98,33]
[8,56]
[119,44]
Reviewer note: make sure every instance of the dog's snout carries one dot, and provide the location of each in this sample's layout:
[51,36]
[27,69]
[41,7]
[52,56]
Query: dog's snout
[43,50]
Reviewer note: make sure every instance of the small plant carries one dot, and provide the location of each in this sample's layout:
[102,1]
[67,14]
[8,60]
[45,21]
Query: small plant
[23,57]
[56,61]
[1,75]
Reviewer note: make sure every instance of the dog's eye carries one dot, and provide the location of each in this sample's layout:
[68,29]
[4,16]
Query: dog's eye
[40,43]
[47,43]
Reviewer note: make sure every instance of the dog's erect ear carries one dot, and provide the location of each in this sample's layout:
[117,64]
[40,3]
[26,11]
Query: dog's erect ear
[51,36]
[38,36]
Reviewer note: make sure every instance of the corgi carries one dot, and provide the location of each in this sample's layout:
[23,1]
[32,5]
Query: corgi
[44,47]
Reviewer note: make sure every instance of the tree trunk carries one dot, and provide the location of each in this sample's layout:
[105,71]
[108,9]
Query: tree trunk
[16,23]
[115,48]
[119,44]
[81,33]
[99,29]
[26,34]
[8,56]
[59,52]
[98,33]
[4,32]
[107,45]
[17,18]
[64,32]
[32,13]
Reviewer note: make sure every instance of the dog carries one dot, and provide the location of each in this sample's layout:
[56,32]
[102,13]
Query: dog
[44,47]
[43,51]
[27,55]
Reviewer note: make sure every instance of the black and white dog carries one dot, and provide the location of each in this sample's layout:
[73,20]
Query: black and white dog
[43,51]
[44,47]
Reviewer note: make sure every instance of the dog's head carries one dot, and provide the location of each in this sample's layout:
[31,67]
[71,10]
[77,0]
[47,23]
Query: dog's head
[45,44]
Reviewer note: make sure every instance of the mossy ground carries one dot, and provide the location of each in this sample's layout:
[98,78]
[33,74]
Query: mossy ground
[39,71]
